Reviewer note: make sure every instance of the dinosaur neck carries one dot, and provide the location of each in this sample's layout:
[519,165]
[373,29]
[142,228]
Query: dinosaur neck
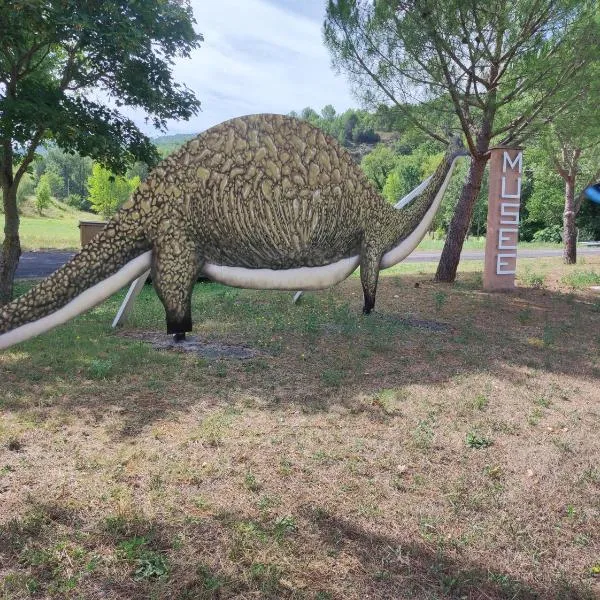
[414,220]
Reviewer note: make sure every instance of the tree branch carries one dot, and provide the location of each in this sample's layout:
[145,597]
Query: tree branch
[386,91]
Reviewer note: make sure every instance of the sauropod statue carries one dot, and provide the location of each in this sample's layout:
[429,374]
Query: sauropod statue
[261,201]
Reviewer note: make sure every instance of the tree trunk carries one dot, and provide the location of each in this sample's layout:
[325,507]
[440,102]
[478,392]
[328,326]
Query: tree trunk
[569,231]
[11,248]
[459,226]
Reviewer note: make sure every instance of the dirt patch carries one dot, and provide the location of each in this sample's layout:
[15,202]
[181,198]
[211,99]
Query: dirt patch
[194,345]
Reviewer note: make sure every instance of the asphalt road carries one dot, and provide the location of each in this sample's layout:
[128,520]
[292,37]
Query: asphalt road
[41,264]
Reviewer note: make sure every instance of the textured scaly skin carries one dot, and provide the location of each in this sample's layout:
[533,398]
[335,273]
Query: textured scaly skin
[261,191]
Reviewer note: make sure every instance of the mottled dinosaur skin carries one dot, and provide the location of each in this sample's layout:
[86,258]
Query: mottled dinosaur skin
[262,191]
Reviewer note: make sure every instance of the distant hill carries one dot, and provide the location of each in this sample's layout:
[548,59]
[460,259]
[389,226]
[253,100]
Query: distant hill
[169,143]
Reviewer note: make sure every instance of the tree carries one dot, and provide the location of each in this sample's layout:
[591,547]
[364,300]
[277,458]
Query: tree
[42,194]
[496,68]
[378,164]
[108,191]
[52,53]
[571,145]
[71,167]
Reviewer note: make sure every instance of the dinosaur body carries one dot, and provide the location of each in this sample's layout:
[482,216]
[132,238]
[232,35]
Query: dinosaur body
[263,201]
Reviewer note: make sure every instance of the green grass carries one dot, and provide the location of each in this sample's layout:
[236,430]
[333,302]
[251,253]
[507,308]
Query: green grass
[581,279]
[354,457]
[58,231]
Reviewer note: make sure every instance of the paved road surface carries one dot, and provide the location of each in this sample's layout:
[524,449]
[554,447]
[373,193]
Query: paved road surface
[41,264]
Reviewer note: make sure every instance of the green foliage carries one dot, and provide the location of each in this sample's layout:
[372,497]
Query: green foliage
[26,188]
[42,194]
[72,168]
[167,144]
[124,48]
[552,234]
[452,195]
[581,279]
[545,206]
[477,441]
[107,192]
[349,128]
[148,563]
[55,181]
[378,164]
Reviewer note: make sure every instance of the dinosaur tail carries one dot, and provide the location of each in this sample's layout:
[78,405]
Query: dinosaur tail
[116,256]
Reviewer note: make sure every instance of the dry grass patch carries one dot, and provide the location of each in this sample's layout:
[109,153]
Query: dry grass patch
[355,458]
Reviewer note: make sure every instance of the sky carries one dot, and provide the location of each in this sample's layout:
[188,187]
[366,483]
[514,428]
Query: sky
[257,56]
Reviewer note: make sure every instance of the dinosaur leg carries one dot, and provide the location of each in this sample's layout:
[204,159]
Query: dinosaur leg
[369,274]
[175,268]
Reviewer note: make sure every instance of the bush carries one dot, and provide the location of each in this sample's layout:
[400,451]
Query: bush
[78,202]
[365,136]
[552,234]
[42,194]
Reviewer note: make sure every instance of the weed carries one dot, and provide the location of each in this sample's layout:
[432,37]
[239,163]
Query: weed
[562,445]
[368,509]
[284,526]
[212,430]
[581,540]
[439,299]
[332,377]
[267,502]
[251,483]
[474,440]
[156,482]
[581,279]
[201,503]
[5,470]
[423,434]
[480,402]
[99,369]
[534,416]
[285,467]
[542,401]
[533,279]
[387,399]
[210,582]
[591,475]
[148,563]
[266,576]
[130,549]
[524,316]
[494,472]
[549,335]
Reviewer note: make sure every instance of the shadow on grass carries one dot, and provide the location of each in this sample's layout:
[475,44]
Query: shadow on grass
[314,352]
[55,552]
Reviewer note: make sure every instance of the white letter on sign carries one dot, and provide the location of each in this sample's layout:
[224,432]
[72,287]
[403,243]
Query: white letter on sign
[510,217]
[500,262]
[506,238]
[518,161]
[505,195]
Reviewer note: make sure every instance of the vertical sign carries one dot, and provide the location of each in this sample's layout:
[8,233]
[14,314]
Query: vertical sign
[504,201]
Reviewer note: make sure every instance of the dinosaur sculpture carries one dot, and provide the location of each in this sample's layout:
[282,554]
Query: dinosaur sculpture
[262,201]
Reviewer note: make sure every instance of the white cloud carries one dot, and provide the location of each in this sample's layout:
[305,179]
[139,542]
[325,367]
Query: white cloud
[256,57]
